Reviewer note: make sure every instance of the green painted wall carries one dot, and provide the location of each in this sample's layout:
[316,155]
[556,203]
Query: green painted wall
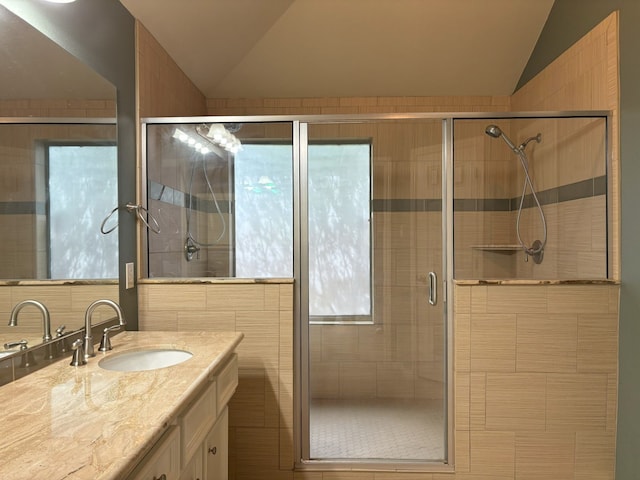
[568,21]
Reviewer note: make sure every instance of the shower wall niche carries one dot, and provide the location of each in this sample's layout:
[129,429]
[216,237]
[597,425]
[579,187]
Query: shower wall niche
[568,169]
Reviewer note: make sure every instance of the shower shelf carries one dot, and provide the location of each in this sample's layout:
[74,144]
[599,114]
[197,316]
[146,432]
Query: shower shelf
[504,249]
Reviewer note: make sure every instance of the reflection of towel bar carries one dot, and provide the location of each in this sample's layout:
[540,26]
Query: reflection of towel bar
[138,209]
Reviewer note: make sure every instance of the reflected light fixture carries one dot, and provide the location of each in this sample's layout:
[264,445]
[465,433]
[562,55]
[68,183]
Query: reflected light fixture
[209,138]
[224,138]
[60,1]
[190,141]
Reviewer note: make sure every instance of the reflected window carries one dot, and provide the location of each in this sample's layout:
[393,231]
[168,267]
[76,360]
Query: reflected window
[263,187]
[82,190]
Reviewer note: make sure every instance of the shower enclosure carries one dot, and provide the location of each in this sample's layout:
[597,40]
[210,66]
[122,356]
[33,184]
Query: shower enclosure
[375,218]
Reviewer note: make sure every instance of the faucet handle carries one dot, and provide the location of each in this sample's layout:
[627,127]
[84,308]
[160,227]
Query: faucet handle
[60,330]
[105,343]
[78,354]
[21,343]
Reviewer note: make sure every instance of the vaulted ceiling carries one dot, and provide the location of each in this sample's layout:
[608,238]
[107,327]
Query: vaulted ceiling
[319,48]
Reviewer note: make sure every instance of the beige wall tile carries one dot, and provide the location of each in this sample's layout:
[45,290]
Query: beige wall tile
[257,450]
[462,451]
[462,342]
[493,453]
[595,456]
[477,402]
[237,297]
[286,450]
[158,321]
[324,380]
[576,402]
[597,343]
[247,406]
[462,299]
[395,380]
[517,299]
[462,398]
[546,343]
[302,475]
[176,298]
[578,299]
[515,402]
[357,380]
[493,342]
[479,299]
[210,321]
[259,347]
[348,476]
[402,476]
[542,456]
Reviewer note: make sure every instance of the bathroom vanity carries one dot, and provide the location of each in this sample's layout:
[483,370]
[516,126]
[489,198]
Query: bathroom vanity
[93,422]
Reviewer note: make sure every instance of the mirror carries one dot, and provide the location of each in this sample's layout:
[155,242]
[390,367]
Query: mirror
[52,171]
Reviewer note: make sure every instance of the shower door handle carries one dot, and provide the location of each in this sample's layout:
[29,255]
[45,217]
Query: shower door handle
[433,288]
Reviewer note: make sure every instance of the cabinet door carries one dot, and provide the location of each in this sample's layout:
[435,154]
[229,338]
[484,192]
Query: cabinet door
[216,449]
[163,462]
[194,469]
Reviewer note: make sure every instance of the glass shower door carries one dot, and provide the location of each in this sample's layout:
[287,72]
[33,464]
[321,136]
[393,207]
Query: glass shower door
[372,266]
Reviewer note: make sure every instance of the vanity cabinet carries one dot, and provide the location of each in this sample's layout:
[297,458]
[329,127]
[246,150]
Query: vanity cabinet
[194,470]
[197,446]
[163,462]
[216,449]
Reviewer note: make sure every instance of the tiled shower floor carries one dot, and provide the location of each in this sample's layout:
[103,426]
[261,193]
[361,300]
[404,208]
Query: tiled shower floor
[377,429]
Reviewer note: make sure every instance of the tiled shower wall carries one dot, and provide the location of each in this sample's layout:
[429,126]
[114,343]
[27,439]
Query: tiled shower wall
[568,169]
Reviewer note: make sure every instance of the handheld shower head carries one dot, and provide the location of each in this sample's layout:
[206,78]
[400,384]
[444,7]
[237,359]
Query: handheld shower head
[495,132]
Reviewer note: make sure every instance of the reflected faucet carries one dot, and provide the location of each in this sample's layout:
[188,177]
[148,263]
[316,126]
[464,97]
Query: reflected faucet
[88,338]
[46,319]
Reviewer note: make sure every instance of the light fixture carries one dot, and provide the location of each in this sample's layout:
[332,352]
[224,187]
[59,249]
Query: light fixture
[60,1]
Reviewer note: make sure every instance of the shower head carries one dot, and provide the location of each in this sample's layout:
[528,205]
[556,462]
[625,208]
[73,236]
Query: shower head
[537,138]
[495,132]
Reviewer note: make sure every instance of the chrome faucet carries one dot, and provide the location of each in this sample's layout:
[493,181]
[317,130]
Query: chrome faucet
[46,319]
[88,338]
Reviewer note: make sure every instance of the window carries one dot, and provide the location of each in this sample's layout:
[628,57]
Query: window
[82,190]
[340,232]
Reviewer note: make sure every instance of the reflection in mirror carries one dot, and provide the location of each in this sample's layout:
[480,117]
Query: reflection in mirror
[58,180]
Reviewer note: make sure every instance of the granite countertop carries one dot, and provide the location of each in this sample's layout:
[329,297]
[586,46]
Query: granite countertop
[514,281]
[90,423]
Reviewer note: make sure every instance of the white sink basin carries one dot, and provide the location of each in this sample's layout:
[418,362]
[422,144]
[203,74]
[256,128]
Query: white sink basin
[139,360]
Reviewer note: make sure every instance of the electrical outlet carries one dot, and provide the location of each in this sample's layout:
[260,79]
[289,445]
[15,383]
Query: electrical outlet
[130,276]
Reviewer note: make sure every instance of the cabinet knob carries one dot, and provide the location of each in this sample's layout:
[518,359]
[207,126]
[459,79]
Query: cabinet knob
[213,450]
[161,477]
